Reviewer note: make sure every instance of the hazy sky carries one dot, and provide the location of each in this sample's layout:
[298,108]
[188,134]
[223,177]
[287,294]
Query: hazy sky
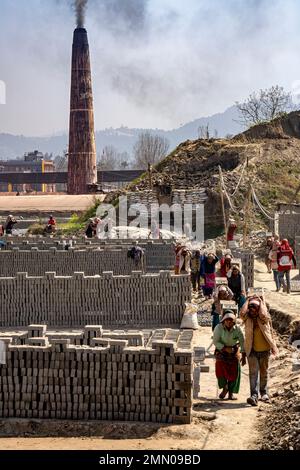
[155,63]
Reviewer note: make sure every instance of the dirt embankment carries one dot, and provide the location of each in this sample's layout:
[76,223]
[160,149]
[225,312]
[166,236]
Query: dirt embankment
[283,127]
[272,153]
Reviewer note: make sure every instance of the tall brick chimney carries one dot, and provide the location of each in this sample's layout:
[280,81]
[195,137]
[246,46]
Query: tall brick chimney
[82,168]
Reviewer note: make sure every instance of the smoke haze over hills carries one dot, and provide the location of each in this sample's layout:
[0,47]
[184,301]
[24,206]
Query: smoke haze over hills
[155,63]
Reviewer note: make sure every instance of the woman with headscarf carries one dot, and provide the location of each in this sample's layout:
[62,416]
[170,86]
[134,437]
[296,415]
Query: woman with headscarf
[208,272]
[196,259]
[229,340]
[268,248]
[231,230]
[236,282]
[225,265]
[182,260]
[221,293]
[285,260]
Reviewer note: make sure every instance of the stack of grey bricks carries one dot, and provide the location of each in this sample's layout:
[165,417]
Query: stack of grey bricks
[54,378]
[297,248]
[288,225]
[65,263]
[179,196]
[158,254]
[247,258]
[189,196]
[138,299]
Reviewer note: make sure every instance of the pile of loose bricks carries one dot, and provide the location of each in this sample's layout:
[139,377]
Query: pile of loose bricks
[93,375]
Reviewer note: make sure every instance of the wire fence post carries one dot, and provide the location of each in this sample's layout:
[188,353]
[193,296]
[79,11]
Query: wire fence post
[223,207]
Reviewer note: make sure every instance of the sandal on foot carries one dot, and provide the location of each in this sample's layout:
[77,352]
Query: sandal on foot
[223,393]
[231,397]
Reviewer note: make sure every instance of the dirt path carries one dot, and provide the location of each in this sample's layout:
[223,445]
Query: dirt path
[265,280]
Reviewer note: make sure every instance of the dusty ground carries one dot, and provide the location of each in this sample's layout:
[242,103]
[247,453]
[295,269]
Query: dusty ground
[47,202]
[216,424]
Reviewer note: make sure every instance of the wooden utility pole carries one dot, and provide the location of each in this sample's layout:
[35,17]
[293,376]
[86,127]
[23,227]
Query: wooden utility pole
[246,214]
[222,203]
[150,175]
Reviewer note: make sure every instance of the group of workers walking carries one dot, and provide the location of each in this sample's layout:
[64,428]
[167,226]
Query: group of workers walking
[203,271]
[201,267]
[243,334]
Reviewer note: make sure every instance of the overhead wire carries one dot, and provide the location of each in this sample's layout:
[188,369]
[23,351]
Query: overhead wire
[240,180]
[259,205]
[231,204]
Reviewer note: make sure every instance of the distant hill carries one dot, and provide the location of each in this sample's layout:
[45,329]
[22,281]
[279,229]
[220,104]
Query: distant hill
[12,146]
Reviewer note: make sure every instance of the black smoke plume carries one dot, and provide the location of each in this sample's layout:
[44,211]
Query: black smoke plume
[80,8]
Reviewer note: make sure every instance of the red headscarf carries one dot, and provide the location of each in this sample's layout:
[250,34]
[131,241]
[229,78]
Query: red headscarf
[285,245]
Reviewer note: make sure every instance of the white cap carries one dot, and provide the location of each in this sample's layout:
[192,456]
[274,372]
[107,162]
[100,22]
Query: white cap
[229,314]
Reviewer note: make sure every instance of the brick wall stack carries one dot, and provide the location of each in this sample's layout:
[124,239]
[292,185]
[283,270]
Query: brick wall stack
[65,263]
[158,254]
[151,299]
[103,379]
[189,196]
[297,248]
[146,198]
[288,225]
[179,196]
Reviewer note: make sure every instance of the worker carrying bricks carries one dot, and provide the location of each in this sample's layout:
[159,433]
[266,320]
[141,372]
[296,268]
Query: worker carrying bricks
[208,272]
[285,260]
[9,224]
[228,339]
[182,260]
[231,230]
[196,260]
[225,264]
[274,263]
[236,282]
[221,293]
[259,345]
[268,251]
[51,225]
[90,228]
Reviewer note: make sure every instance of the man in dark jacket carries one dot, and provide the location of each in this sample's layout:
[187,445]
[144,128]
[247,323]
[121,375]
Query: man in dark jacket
[10,222]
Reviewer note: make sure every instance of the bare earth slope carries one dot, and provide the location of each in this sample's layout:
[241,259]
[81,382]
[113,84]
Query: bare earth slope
[272,151]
